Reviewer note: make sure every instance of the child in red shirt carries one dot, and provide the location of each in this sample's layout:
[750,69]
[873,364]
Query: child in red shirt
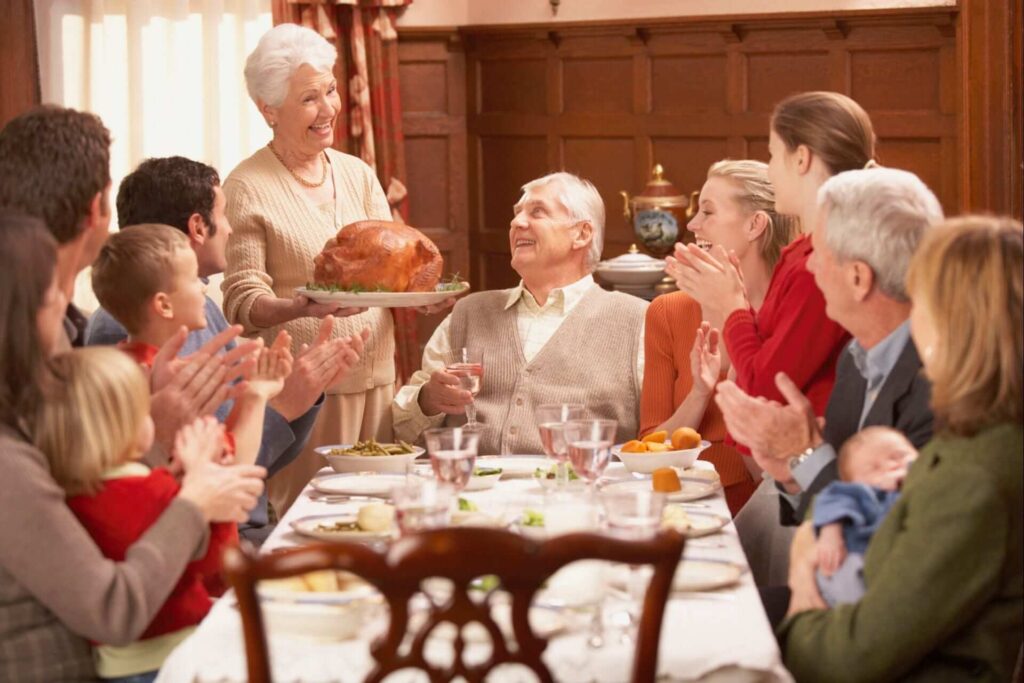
[93,428]
[147,277]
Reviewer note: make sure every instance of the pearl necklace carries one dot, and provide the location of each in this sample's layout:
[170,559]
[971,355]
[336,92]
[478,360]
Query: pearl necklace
[300,179]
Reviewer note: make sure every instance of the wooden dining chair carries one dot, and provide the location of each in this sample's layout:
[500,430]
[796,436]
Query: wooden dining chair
[460,555]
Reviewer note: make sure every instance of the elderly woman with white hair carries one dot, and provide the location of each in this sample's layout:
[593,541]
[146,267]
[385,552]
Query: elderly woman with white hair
[284,203]
[555,337]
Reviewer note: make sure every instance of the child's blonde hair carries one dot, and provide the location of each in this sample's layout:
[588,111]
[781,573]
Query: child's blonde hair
[133,266]
[90,418]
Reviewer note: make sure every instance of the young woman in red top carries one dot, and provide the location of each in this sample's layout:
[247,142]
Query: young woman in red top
[813,136]
[684,360]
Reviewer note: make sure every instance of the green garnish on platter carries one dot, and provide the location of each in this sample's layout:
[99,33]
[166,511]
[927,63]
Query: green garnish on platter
[453,283]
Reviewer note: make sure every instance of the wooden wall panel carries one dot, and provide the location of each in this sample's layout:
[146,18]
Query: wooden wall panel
[597,86]
[607,100]
[432,77]
[773,75]
[685,83]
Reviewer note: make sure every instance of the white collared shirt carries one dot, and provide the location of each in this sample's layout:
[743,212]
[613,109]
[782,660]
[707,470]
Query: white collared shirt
[536,323]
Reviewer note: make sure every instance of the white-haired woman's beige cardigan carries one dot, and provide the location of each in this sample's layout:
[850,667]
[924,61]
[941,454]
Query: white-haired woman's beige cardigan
[277,232]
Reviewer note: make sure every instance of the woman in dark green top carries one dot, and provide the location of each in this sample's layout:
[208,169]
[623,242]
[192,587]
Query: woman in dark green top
[945,584]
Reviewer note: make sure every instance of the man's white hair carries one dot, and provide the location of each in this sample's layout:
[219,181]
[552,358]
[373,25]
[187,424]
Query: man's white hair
[878,216]
[278,55]
[583,202]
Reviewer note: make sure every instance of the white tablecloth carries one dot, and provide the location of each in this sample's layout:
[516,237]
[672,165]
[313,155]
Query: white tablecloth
[723,635]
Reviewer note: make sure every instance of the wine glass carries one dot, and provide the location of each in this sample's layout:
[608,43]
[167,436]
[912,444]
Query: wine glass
[590,447]
[452,453]
[422,504]
[551,419]
[633,515]
[468,365]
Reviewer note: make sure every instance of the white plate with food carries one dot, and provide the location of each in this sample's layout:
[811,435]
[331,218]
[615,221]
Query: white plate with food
[374,299]
[705,575]
[692,524]
[370,456]
[547,477]
[484,478]
[375,484]
[514,466]
[689,489]
[361,527]
[326,604]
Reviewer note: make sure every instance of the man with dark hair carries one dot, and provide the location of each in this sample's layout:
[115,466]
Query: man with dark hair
[186,195]
[55,165]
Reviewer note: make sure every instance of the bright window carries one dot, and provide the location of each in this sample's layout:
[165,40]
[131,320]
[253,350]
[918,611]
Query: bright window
[164,75]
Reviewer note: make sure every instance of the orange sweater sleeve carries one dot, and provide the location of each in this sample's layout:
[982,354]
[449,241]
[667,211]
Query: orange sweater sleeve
[671,326]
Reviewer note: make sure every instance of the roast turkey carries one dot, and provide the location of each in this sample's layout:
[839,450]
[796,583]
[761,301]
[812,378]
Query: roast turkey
[379,255]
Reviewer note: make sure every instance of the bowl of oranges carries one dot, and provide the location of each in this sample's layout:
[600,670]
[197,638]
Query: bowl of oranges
[659,449]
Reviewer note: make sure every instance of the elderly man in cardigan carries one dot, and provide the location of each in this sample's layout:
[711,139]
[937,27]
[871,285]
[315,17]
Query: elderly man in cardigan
[555,337]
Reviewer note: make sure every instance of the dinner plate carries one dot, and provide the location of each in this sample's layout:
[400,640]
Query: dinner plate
[372,484]
[515,466]
[336,615]
[381,299]
[691,489]
[698,523]
[475,483]
[705,575]
[318,527]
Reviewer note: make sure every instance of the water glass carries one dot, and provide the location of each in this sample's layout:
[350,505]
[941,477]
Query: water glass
[633,515]
[422,504]
[452,452]
[551,419]
[468,366]
[590,447]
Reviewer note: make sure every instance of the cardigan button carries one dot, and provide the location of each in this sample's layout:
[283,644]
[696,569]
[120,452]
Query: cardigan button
[519,401]
[512,430]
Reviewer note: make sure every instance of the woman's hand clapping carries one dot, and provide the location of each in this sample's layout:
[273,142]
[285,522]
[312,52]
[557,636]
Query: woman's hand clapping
[705,359]
[712,279]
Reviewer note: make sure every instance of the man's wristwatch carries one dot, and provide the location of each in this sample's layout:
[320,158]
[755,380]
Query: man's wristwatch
[799,458]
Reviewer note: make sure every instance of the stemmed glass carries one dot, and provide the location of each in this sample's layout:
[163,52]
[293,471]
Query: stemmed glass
[422,504]
[633,515]
[468,365]
[551,420]
[590,443]
[452,452]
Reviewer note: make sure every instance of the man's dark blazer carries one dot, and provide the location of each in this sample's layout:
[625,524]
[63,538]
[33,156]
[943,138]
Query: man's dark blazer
[902,403]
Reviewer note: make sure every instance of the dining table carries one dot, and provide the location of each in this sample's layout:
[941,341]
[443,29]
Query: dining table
[709,633]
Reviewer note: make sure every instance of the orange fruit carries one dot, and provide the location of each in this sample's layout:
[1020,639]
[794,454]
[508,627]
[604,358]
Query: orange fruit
[634,446]
[655,447]
[656,437]
[684,438]
[665,480]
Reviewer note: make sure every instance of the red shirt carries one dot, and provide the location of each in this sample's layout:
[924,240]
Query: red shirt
[121,513]
[790,334]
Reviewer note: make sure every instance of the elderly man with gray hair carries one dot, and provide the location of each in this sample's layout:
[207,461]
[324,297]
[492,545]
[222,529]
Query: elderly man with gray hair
[556,337]
[869,225]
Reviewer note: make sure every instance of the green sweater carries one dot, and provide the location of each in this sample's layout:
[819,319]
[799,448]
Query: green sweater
[945,583]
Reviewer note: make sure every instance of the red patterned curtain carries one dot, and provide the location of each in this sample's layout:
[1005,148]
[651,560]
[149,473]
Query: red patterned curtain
[370,123]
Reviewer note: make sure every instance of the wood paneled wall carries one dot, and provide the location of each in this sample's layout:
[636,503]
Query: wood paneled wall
[608,100]
[432,77]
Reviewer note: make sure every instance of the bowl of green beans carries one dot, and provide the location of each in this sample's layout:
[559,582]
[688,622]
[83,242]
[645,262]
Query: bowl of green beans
[370,456]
